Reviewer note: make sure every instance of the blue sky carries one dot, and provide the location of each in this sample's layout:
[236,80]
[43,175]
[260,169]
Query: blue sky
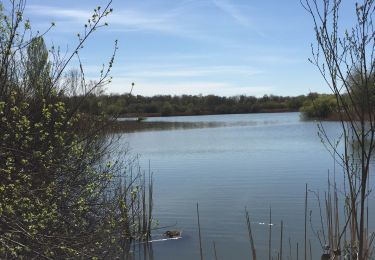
[222,47]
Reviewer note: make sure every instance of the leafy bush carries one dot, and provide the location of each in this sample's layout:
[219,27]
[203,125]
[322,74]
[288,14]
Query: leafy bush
[61,193]
[322,106]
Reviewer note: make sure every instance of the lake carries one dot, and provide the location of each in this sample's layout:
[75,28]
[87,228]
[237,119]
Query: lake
[229,162]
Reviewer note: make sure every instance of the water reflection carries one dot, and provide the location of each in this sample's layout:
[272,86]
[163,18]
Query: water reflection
[141,251]
[134,126]
[157,124]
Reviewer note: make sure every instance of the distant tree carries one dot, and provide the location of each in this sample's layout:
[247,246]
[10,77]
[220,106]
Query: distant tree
[38,68]
[321,107]
[294,103]
[362,96]
[167,109]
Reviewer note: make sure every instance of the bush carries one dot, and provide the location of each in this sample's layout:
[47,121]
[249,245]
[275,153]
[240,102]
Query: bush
[322,107]
[61,193]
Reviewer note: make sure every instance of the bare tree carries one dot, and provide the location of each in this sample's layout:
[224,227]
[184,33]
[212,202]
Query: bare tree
[345,59]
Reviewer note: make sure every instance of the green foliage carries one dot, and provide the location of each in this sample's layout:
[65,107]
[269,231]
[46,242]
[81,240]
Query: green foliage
[167,109]
[320,106]
[361,94]
[187,104]
[60,194]
[42,193]
[360,98]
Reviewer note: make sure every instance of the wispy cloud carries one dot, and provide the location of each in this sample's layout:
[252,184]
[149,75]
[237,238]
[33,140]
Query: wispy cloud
[132,20]
[237,13]
[183,20]
[233,11]
[121,20]
[49,11]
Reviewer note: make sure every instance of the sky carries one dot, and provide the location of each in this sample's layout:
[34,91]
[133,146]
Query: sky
[174,47]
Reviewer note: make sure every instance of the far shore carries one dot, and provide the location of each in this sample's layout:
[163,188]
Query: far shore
[145,115]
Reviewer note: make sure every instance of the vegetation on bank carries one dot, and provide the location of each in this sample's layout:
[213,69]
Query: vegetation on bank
[312,106]
[358,98]
[320,106]
[167,105]
[64,192]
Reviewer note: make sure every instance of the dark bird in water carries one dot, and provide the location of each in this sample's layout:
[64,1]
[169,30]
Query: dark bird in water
[172,233]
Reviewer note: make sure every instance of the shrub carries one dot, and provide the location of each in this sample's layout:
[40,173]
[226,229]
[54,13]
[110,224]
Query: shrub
[63,194]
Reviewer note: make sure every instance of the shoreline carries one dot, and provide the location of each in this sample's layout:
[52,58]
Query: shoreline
[146,115]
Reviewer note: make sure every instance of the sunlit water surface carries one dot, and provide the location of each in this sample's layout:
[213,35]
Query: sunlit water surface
[229,162]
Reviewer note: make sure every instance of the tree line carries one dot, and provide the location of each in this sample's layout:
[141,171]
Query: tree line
[167,105]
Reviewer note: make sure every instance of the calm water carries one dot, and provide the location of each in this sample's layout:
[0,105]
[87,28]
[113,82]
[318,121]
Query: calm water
[227,163]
